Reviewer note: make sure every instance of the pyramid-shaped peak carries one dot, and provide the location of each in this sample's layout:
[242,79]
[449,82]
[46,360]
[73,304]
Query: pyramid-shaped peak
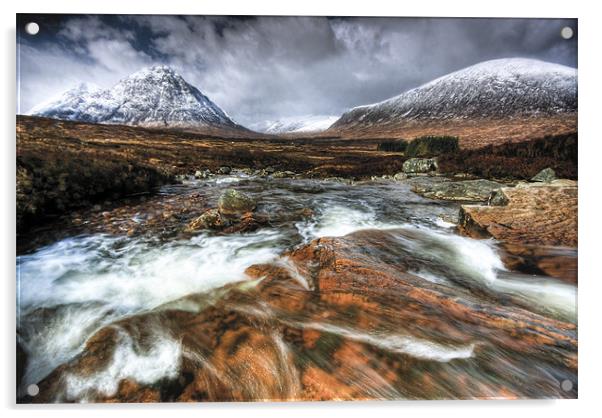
[156,72]
[153,96]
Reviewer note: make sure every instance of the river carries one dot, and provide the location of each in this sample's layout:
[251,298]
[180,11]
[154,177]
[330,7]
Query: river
[71,288]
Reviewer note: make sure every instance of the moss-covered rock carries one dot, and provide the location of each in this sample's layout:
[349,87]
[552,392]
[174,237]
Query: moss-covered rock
[234,203]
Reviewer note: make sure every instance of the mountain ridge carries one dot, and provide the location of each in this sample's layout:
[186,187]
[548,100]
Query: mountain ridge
[155,96]
[497,88]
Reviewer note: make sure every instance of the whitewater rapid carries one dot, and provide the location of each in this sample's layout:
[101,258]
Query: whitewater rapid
[70,289]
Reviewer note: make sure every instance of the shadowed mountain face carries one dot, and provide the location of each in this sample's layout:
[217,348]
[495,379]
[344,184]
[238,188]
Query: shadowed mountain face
[493,89]
[154,97]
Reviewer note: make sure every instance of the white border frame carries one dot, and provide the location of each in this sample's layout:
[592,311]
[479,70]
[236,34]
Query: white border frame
[590,288]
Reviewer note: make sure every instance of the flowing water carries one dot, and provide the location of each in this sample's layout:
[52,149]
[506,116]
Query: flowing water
[71,288]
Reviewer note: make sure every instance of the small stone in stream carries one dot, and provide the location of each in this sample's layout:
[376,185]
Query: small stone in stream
[280,174]
[545,176]
[419,165]
[247,171]
[463,176]
[269,170]
[202,174]
[498,198]
[224,170]
[339,180]
[235,203]
[210,219]
[450,219]
[400,176]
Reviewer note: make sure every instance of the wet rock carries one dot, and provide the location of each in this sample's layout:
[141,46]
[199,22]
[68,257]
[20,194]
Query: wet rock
[339,180]
[211,219]
[498,198]
[546,176]
[475,190]
[400,176]
[419,165]
[557,262]
[339,318]
[204,174]
[247,171]
[234,203]
[535,213]
[224,170]
[283,174]
[248,222]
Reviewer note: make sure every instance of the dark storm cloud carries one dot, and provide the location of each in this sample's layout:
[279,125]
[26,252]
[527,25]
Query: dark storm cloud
[269,67]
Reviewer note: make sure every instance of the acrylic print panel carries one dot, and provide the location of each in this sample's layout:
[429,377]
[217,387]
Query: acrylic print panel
[215,208]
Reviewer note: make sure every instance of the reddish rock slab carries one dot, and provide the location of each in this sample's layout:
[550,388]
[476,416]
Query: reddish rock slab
[338,319]
[535,214]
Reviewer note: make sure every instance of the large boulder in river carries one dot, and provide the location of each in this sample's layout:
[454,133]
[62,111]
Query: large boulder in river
[545,176]
[234,203]
[467,190]
[419,165]
[533,214]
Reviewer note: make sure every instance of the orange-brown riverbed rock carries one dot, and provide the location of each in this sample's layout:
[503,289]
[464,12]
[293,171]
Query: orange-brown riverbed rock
[337,319]
[534,213]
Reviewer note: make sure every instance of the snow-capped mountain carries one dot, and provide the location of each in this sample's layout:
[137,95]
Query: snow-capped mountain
[154,97]
[496,88]
[297,124]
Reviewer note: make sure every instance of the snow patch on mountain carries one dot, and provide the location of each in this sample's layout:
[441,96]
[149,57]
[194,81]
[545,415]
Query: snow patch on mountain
[496,88]
[154,97]
[296,124]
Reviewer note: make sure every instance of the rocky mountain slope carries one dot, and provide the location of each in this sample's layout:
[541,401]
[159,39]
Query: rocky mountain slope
[502,88]
[153,97]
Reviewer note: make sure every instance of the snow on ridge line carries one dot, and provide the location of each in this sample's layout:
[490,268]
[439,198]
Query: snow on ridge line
[495,87]
[296,124]
[153,95]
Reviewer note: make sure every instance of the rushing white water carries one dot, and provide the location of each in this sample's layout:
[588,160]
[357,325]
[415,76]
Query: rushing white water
[161,361]
[442,253]
[337,221]
[556,296]
[404,344]
[87,282]
[478,260]
[70,289]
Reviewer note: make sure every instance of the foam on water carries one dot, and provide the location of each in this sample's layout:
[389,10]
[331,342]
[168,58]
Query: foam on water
[555,296]
[71,288]
[404,344]
[476,259]
[479,261]
[161,361]
[442,253]
[337,221]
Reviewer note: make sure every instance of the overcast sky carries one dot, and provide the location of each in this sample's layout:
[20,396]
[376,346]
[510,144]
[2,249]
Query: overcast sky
[265,68]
